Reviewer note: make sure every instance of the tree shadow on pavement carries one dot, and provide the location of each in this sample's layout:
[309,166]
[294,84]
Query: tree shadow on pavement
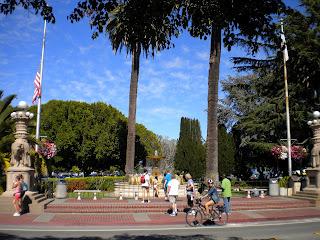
[127,237]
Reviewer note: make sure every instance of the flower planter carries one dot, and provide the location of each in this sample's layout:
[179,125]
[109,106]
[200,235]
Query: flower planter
[290,190]
[283,191]
[296,187]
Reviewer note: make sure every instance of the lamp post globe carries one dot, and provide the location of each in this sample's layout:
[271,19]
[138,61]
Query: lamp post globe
[316,114]
[22,105]
[13,114]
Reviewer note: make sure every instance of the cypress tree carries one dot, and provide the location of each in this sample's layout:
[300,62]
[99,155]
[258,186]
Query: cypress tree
[226,151]
[190,152]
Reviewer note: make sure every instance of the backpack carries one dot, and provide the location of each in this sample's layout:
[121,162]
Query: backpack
[215,198]
[24,187]
[142,179]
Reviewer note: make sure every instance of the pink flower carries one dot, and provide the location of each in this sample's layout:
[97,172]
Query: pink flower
[48,149]
[297,152]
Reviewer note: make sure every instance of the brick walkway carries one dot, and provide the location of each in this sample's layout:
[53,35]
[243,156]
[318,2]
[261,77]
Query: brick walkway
[112,212]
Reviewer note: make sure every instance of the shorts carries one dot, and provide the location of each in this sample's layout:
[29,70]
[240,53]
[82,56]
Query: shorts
[146,187]
[190,200]
[173,198]
[17,196]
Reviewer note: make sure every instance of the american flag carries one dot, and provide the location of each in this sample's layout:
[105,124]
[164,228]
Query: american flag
[37,88]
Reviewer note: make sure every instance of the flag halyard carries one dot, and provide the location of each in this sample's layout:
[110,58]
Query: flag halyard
[37,88]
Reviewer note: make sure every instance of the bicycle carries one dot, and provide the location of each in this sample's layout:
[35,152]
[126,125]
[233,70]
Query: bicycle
[194,217]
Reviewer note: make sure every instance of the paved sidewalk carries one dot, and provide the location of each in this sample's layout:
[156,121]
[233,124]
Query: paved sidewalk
[113,213]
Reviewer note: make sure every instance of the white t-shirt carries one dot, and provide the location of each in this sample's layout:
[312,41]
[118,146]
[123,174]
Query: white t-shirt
[146,180]
[174,187]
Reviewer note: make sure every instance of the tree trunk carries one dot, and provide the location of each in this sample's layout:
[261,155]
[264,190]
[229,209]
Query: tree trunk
[212,123]
[131,138]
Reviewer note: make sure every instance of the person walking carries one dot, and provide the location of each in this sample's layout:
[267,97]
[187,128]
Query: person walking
[226,193]
[167,179]
[173,191]
[17,196]
[155,186]
[24,186]
[145,184]
[190,189]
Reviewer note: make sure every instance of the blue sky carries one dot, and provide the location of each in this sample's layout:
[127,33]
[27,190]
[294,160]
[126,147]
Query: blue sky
[171,85]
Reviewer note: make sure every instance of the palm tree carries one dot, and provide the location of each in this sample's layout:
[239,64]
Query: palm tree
[235,23]
[141,26]
[6,137]
[5,125]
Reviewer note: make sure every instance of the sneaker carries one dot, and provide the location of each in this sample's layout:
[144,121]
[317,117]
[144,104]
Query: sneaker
[142,201]
[149,201]
[173,214]
[193,212]
[16,214]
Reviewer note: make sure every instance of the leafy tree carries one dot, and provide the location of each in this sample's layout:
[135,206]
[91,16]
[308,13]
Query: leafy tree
[265,124]
[190,153]
[231,22]
[8,7]
[76,129]
[140,26]
[168,149]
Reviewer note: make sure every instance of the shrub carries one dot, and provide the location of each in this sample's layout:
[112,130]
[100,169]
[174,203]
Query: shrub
[283,182]
[93,183]
[76,184]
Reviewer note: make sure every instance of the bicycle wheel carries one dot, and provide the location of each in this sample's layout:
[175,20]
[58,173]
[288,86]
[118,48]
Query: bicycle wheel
[194,217]
[220,218]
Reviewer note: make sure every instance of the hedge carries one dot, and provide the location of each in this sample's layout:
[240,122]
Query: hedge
[105,183]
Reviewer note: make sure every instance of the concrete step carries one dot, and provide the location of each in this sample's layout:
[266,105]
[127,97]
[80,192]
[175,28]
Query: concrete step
[312,196]
[33,202]
[160,206]
[128,190]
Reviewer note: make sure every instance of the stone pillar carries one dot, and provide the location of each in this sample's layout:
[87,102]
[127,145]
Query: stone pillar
[20,162]
[313,172]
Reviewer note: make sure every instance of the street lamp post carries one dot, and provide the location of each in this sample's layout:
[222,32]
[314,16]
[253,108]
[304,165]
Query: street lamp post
[20,162]
[313,173]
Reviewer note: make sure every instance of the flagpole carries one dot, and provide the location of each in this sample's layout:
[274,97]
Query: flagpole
[41,72]
[285,58]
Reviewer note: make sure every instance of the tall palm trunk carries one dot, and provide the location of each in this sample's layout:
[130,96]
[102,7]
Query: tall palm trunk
[212,124]
[131,138]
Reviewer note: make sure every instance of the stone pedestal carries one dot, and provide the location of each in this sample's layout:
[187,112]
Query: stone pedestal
[313,179]
[28,177]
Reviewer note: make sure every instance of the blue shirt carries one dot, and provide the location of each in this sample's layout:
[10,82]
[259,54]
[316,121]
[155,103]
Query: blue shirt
[213,194]
[167,178]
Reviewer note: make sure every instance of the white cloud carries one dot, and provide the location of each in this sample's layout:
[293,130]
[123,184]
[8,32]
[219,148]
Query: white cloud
[20,27]
[85,49]
[180,75]
[166,112]
[154,88]
[203,55]
[185,49]
[175,63]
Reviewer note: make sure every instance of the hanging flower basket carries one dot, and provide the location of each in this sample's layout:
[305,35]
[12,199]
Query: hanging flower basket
[298,152]
[47,149]
[281,152]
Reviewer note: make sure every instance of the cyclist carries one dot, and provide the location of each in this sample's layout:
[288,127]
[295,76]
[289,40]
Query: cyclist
[214,196]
